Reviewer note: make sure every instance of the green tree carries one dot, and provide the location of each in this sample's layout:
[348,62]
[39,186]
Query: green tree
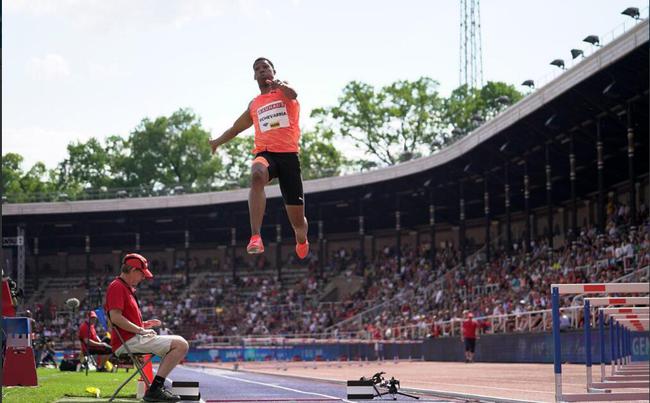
[319,157]
[20,186]
[88,165]
[37,180]
[169,151]
[11,174]
[117,149]
[237,155]
[393,124]
[416,106]
[466,108]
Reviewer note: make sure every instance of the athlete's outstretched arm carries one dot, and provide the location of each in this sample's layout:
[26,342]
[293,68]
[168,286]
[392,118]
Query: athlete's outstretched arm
[242,123]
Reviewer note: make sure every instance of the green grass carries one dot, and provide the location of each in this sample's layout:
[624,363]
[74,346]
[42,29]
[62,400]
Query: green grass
[54,384]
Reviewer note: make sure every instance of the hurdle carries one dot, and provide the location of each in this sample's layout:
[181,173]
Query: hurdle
[628,313]
[623,325]
[630,321]
[615,301]
[616,335]
[622,322]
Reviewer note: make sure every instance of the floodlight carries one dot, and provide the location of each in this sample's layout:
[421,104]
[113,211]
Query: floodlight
[593,39]
[529,83]
[559,63]
[632,12]
[577,52]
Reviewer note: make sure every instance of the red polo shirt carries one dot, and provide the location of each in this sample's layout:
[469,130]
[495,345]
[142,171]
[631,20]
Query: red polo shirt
[121,296]
[83,335]
[469,329]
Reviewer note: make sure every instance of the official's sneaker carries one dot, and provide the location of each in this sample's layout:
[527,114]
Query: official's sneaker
[255,245]
[160,395]
[302,249]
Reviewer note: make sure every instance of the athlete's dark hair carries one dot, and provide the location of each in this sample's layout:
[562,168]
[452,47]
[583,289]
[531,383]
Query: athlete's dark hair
[263,58]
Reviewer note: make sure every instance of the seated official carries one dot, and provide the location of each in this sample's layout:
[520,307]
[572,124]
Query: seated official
[124,313]
[88,338]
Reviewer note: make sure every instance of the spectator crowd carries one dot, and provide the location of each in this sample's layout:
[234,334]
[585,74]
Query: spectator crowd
[397,301]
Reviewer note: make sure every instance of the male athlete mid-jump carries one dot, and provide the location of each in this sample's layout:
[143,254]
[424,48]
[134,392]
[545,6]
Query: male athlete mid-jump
[275,114]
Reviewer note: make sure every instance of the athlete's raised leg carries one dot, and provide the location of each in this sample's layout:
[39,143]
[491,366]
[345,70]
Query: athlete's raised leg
[296,214]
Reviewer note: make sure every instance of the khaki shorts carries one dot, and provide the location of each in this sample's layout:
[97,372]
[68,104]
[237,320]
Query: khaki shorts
[158,345]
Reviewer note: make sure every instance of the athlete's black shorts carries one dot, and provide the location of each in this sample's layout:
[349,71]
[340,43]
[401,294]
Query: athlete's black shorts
[285,167]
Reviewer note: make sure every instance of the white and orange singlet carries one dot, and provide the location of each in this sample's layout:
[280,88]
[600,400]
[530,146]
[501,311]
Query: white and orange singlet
[275,117]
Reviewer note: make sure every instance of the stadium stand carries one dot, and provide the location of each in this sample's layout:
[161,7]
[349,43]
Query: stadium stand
[390,302]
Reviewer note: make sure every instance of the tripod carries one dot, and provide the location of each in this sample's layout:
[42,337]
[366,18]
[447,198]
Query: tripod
[392,386]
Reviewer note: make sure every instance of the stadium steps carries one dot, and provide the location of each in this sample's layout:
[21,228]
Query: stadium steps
[38,294]
[147,292]
[199,278]
[341,287]
[384,305]
[289,277]
[28,288]
[31,293]
[59,289]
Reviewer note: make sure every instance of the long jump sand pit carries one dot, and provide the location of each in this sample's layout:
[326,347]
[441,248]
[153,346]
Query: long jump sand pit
[527,382]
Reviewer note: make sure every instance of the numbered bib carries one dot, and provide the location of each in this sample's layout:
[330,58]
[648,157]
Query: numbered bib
[272,116]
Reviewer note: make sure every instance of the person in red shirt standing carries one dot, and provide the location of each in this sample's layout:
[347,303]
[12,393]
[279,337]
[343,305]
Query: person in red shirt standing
[469,335]
[275,114]
[124,313]
[88,337]
[436,330]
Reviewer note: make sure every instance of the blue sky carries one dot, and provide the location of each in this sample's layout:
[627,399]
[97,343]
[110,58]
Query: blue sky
[72,69]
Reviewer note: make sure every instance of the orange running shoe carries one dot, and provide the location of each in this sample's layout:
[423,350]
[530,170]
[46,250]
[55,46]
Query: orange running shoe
[302,249]
[255,245]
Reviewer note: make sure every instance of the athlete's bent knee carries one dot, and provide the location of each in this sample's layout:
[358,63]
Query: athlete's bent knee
[258,176]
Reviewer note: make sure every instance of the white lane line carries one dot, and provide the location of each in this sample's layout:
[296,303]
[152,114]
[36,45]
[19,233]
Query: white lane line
[274,386]
[433,384]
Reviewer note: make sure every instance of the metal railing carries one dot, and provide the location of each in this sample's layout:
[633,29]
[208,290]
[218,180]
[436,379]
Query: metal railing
[529,321]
